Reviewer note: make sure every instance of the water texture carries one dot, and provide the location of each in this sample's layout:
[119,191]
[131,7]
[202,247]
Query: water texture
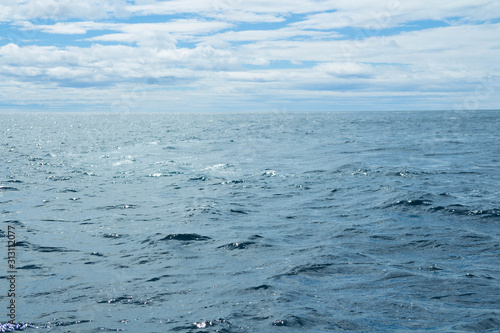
[259,222]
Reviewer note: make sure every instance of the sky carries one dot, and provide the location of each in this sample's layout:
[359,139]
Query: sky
[249,55]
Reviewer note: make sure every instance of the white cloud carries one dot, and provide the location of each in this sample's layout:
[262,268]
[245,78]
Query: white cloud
[155,35]
[203,51]
[326,14]
[67,28]
[232,7]
[226,38]
[448,46]
[346,69]
[374,16]
[161,35]
[13,10]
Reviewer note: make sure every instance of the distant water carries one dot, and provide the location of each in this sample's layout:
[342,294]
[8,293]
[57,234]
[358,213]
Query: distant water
[271,222]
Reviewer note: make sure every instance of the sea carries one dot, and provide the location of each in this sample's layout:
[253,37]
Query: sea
[250,222]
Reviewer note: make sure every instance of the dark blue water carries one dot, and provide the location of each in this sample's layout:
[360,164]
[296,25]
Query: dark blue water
[272,222]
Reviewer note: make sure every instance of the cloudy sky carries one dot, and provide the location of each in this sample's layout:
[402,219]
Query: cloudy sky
[255,55]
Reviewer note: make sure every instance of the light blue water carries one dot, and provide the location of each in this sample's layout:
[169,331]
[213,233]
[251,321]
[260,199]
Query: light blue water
[272,222]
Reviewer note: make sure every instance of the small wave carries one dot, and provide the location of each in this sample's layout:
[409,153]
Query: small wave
[50,326]
[68,190]
[315,171]
[236,246]
[292,321]
[360,172]
[158,174]
[220,166]
[157,278]
[51,249]
[58,178]
[453,209]
[488,213]
[149,240]
[457,209]
[24,244]
[313,269]
[424,243]
[220,325]
[238,211]
[119,206]
[112,235]
[231,182]
[260,287]
[417,202]
[7,327]
[396,275]
[185,237]
[200,178]
[270,173]
[119,163]
[8,188]
[492,322]
[126,300]
[383,237]
[256,237]
[473,238]
[30,267]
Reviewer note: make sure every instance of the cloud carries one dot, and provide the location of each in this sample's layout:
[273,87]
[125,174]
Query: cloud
[346,69]
[233,51]
[161,35]
[249,36]
[232,8]
[66,28]
[383,15]
[113,64]
[13,10]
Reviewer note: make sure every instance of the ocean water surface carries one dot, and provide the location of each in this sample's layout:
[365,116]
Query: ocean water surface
[254,222]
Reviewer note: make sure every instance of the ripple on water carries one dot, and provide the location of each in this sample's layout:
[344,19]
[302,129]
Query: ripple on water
[185,237]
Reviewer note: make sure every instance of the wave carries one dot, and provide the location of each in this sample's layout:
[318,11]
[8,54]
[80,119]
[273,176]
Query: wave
[68,190]
[8,188]
[158,278]
[461,210]
[218,325]
[58,178]
[291,321]
[15,181]
[46,249]
[260,287]
[7,327]
[238,211]
[236,245]
[30,267]
[185,237]
[199,178]
[491,322]
[51,249]
[119,206]
[412,202]
[113,235]
[312,269]
[452,209]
